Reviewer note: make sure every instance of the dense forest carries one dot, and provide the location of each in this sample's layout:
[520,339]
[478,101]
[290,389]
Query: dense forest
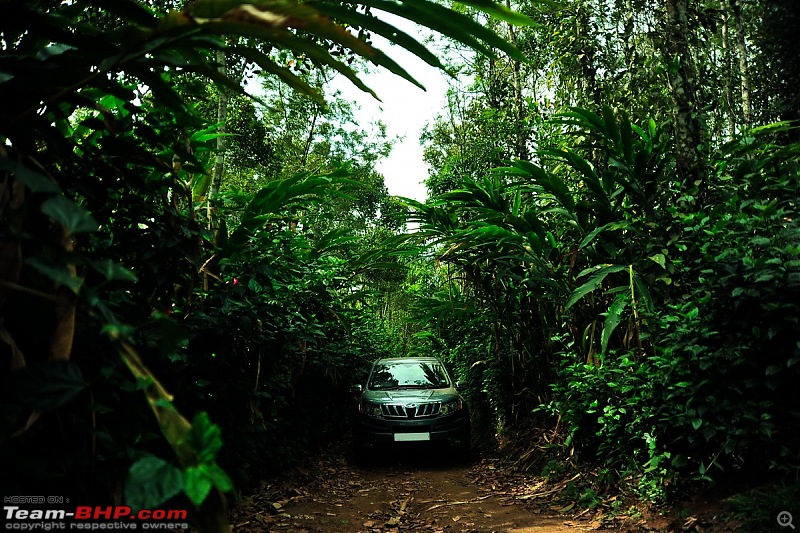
[191,277]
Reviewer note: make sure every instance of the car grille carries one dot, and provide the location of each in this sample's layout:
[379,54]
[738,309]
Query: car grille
[422,410]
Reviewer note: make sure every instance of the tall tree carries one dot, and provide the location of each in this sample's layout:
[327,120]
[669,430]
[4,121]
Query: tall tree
[734,8]
[683,85]
[222,129]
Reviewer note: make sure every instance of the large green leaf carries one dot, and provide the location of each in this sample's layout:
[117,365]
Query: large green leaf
[35,181]
[60,274]
[197,485]
[599,275]
[611,226]
[275,22]
[204,437]
[379,27]
[74,218]
[583,118]
[448,23]
[152,481]
[502,12]
[587,171]
[613,318]
[549,182]
[44,386]
[284,74]
[642,294]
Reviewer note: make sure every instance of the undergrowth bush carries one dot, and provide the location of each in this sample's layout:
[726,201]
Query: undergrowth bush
[714,396]
[612,416]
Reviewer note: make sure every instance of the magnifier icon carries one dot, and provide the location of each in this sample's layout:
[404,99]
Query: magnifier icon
[785,519]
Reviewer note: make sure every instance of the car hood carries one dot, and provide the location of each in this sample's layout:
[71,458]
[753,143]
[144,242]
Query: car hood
[411,395]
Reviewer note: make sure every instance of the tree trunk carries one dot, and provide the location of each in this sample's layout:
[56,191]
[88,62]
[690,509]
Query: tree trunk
[521,141]
[681,76]
[744,69]
[586,53]
[310,137]
[519,104]
[726,58]
[219,160]
[222,116]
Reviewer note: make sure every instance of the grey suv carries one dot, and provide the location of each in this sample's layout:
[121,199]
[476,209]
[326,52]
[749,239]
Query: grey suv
[410,399]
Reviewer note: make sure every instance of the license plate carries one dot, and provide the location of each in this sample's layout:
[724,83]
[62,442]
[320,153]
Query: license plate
[407,437]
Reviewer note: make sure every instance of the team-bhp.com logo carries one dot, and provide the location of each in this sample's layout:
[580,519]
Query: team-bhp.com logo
[85,512]
[93,517]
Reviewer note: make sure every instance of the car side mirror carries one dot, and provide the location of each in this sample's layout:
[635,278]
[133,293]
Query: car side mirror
[460,385]
[356,389]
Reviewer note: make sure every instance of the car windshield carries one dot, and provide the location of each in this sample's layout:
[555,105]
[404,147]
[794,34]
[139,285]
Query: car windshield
[408,374]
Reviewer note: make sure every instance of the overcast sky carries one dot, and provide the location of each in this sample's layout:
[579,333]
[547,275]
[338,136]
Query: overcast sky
[405,109]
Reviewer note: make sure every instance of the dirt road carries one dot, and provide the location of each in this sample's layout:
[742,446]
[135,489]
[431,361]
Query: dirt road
[403,490]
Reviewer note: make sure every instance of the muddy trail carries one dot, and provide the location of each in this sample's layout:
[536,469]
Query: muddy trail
[417,489]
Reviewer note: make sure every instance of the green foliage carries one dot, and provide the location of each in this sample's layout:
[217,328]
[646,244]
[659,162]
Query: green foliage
[656,298]
[151,482]
[277,337]
[115,284]
[527,252]
[667,335]
[614,415]
[47,386]
[586,281]
[598,275]
[742,330]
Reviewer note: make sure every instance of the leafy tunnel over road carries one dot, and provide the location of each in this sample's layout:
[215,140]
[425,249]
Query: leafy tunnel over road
[597,286]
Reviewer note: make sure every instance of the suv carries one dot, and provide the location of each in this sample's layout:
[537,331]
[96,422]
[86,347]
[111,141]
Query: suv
[410,399]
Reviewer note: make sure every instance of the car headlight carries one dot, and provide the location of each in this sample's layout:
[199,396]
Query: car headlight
[370,409]
[451,407]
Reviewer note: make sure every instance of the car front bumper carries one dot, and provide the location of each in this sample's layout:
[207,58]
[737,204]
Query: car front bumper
[452,429]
